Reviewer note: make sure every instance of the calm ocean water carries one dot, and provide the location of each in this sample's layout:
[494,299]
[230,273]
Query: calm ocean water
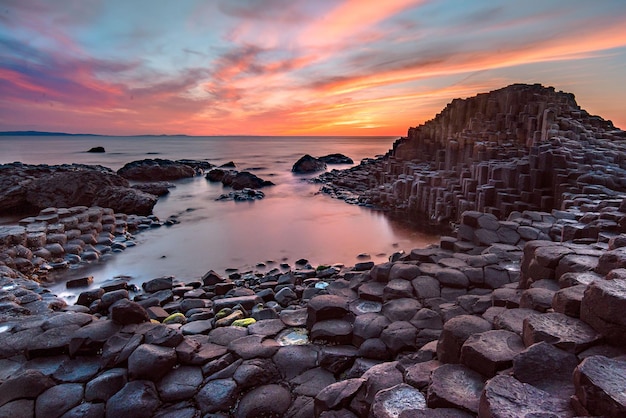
[293,221]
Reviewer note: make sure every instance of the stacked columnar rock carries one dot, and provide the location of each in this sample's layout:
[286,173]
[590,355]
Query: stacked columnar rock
[523,147]
[59,237]
[442,331]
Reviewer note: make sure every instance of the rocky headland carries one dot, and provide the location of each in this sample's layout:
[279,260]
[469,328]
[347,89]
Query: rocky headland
[518,313]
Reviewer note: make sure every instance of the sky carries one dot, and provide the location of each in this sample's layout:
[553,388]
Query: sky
[294,67]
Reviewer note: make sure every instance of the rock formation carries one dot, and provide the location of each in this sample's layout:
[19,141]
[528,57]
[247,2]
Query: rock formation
[25,188]
[522,147]
[156,170]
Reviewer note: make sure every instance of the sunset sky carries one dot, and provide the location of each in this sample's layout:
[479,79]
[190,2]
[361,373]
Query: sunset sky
[294,67]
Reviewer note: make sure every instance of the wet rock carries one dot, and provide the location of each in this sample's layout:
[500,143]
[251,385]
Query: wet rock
[295,359]
[456,386]
[59,399]
[491,351]
[180,384]
[264,401]
[562,331]
[160,283]
[255,372]
[455,332]
[77,370]
[505,396]
[96,149]
[101,388]
[245,180]
[336,159]
[600,383]
[389,403]
[308,164]
[337,358]
[126,312]
[155,170]
[151,362]
[138,398]
[217,395]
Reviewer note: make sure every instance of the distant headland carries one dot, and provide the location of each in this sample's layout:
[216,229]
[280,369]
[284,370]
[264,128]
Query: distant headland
[42,133]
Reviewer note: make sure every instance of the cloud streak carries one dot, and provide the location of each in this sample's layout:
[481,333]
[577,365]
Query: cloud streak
[293,67]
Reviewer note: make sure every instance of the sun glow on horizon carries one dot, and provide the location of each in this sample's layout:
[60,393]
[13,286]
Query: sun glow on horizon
[282,67]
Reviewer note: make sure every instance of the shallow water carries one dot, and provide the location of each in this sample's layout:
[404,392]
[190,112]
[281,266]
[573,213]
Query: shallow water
[293,221]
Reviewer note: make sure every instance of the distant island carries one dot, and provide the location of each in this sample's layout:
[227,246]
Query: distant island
[40,133]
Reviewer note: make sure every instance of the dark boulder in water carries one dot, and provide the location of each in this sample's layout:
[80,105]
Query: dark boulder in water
[156,170]
[244,179]
[27,187]
[96,149]
[308,164]
[336,159]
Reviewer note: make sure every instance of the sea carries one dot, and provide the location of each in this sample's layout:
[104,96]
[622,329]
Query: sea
[292,222]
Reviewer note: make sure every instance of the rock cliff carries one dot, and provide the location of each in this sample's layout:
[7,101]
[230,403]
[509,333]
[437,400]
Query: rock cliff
[522,147]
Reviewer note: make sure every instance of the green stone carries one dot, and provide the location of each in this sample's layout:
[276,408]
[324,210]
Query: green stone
[243,322]
[175,318]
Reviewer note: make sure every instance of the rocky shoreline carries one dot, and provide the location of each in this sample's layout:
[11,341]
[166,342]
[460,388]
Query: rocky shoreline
[503,318]
[459,329]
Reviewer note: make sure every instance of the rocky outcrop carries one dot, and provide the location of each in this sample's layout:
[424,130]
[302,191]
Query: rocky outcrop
[26,188]
[308,164]
[336,159]
[96,149]
[238,180]
[156,170]
[459,329]
[523,147]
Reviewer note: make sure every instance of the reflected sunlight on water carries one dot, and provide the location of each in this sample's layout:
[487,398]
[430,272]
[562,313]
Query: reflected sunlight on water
[293,221]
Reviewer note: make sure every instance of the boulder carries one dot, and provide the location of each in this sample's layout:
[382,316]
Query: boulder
[600,383]
[98,149]
[308,164]
[75,185]
[336,159]
[155,170]
[126,312]
[217,395]
[246,180]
